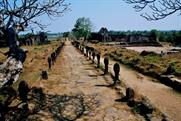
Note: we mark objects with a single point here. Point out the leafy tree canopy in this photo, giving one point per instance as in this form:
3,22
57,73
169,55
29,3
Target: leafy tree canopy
82,28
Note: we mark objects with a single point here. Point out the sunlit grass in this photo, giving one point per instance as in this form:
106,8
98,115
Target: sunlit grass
153,59
151,62
3,57
35,62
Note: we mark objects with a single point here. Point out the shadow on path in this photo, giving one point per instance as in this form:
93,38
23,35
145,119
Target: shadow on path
41,105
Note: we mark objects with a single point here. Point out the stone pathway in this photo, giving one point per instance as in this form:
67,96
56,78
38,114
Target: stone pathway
163,97
74,75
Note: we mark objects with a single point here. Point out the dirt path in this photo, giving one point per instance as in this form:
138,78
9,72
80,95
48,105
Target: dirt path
163,97
164,49
74,75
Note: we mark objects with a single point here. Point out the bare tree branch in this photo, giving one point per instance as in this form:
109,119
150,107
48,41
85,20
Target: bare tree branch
25,11
160,8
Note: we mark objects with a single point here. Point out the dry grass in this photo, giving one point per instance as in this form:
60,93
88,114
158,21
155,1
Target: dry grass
35,62
148,63
3,57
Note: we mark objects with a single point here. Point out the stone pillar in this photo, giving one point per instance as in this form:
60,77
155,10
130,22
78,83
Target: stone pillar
98,60
130,94
89,54
23,90
49,62
106,63
44,75
116,69
84,50
93,55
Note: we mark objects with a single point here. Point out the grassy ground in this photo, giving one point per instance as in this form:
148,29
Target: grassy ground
35,62
149,63
2,57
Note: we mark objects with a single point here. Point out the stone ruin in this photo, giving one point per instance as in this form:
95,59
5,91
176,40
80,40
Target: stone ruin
53,56
116,69
44,75
49,62
142,107
106,63
98,60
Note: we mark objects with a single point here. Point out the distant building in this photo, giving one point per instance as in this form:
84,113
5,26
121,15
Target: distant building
104,35
140,38
119,38
133,38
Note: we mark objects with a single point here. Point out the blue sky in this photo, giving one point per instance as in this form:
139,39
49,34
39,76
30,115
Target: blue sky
112,14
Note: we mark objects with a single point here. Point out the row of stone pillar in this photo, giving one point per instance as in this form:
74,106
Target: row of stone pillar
144,106
91,53
24,89
44,75
51,60
53,56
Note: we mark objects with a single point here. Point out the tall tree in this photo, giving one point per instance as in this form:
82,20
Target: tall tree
159,8
82,28
155,34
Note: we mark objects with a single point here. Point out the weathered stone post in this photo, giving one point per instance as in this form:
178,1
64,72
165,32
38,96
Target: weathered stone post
53,58
116,69
106,63
84,51
87,51
44,75
80,47
130,94
23,90
170,69
49,62
93,55
89,54
98,60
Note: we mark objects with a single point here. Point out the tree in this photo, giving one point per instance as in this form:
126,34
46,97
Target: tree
178,38
82,28
155,34
22,12
18,14
160,8
66,34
